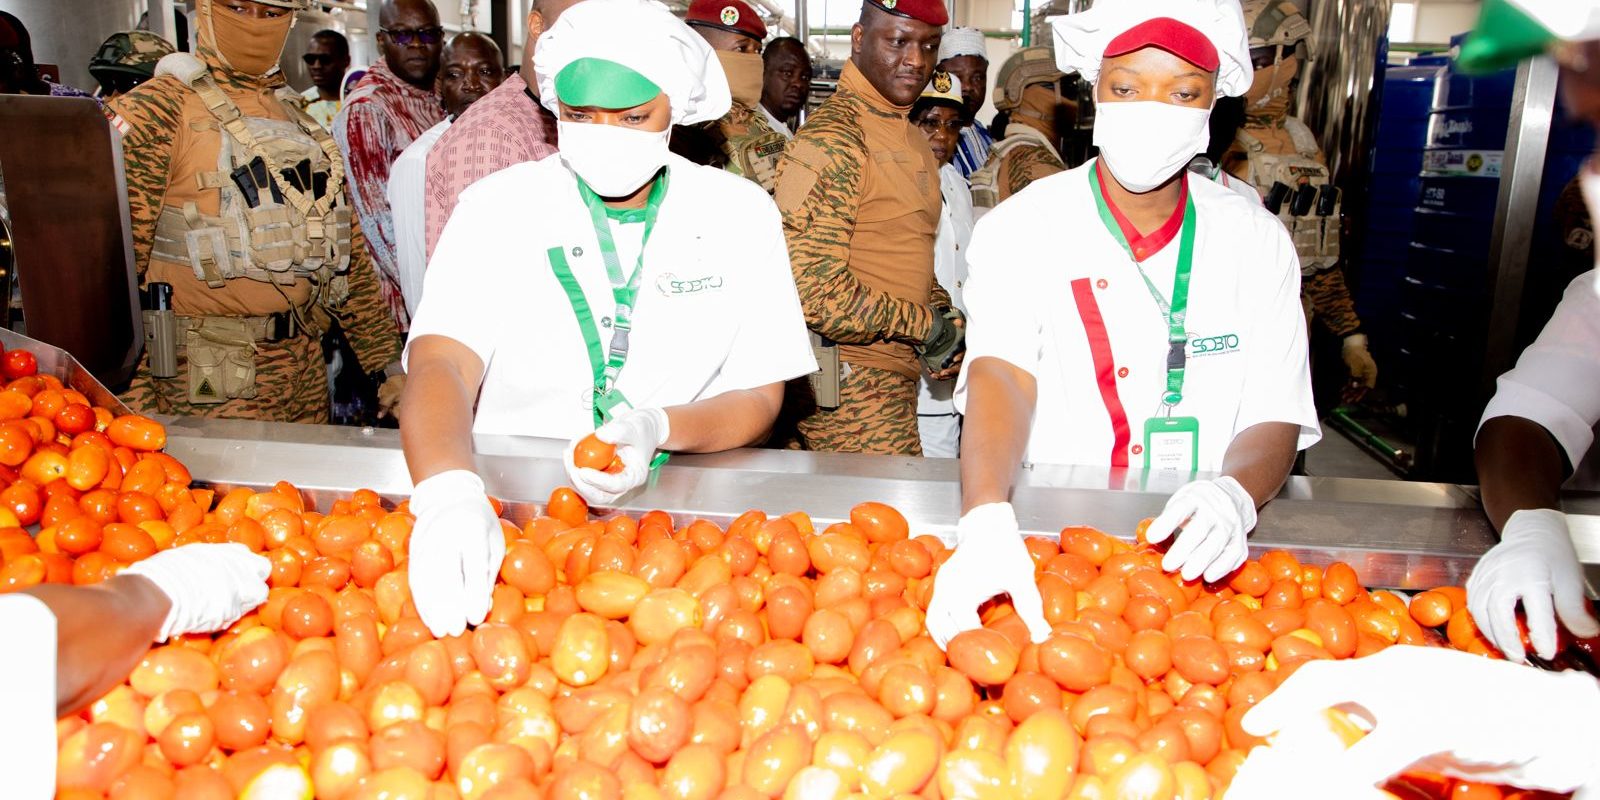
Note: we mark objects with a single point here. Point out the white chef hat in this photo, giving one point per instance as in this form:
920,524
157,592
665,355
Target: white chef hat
642,36
1082,39
963,42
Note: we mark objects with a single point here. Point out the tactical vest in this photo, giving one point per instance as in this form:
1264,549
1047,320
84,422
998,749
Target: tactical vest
1315,231
985,180
282,215
753,147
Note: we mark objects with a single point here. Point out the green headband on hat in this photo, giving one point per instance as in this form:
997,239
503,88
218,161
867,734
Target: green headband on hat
598,83
1503,36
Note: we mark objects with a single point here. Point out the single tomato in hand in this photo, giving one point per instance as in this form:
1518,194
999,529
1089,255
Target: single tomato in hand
592,453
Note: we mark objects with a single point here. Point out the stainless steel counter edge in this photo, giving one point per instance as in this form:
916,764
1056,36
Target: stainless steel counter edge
1398,534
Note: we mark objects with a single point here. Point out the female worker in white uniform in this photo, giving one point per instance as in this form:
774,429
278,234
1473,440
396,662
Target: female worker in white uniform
1445,711
616,287
1130,314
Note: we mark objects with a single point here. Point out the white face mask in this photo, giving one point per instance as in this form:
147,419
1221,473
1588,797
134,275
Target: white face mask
1589,184
613,160
1145,142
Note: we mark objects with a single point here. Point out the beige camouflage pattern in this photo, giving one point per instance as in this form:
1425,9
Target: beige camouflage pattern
169,138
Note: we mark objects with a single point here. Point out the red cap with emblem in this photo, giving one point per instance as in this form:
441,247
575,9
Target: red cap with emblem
732,16
1177,38
930,11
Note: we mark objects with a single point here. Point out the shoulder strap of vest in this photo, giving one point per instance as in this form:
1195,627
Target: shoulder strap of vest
1305,142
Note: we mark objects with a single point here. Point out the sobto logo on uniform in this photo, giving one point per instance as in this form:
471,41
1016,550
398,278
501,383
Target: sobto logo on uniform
670,285
1223,344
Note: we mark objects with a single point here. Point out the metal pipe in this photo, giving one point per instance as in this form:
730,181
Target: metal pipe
1027,23
163,21
802,22
1521,173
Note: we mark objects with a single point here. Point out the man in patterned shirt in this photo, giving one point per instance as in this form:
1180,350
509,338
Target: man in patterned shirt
507,126
383,115
250,311
859,192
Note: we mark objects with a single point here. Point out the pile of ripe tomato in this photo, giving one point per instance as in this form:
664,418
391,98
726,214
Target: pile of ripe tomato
637,657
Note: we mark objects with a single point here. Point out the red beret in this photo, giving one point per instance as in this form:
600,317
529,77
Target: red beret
930,11
732,16
1175,37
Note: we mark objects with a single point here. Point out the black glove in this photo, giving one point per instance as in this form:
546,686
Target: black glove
945,341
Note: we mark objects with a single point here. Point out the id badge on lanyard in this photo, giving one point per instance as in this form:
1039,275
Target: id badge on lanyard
606,367
1170,442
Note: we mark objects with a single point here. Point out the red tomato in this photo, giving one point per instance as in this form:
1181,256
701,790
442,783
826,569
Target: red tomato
19,364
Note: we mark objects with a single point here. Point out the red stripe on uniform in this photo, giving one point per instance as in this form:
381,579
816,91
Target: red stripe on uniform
1105,369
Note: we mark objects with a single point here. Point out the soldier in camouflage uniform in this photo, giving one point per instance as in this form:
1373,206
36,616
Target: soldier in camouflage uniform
1273,147
859,192
126,60
238,202
746,144
1029,87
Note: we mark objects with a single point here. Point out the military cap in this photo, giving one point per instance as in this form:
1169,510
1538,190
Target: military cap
733,16
931,12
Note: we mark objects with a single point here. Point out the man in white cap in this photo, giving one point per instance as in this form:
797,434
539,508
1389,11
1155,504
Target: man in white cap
616,287
1519,726
1170,339
963,54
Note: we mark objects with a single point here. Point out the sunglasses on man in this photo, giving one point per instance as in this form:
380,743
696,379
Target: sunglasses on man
423,36
318,59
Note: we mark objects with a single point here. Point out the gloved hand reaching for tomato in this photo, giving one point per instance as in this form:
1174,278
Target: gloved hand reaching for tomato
455,552
636,436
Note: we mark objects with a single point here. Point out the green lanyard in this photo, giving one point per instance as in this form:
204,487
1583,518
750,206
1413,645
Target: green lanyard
1178,310
624,289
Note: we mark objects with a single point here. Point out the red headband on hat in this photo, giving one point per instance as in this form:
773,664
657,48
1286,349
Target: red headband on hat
1177,38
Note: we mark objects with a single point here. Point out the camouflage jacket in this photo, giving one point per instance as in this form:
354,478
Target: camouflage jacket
168,140
859,192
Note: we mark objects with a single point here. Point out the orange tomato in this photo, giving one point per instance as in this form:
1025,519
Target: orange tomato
591,453
567,506
983,655
137,433
879,522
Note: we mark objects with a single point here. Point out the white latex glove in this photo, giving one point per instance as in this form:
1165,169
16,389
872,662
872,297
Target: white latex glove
1535,564
455,553
637,435
210,585
989,560
1450,712
1214,516
1358,359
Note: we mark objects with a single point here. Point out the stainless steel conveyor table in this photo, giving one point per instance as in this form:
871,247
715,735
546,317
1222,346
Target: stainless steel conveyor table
1396,534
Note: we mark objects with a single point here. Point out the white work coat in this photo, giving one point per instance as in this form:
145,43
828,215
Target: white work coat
408,178
717,309
1556,382
950,270
1051,291
28,695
